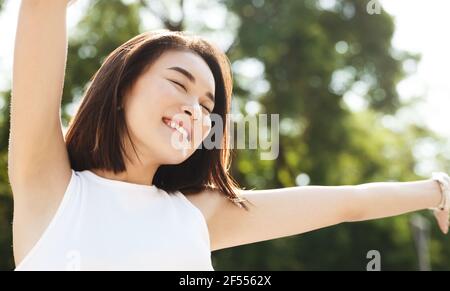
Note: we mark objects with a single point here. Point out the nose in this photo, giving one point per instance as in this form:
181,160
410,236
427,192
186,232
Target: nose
193,110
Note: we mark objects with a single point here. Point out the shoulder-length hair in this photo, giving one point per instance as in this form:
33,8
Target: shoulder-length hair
95,137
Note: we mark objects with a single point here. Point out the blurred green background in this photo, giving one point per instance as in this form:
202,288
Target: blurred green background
298,59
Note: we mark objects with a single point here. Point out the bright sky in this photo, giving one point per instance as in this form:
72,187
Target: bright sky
8,24
421,26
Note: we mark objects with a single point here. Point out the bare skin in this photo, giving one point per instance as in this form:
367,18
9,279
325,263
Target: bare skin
39,168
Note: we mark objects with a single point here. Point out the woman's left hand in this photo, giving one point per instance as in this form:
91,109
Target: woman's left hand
442,217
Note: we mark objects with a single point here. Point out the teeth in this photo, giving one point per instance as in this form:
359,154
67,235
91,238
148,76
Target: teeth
183,132
179,128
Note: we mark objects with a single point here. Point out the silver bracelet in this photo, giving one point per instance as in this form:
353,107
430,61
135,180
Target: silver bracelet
444,182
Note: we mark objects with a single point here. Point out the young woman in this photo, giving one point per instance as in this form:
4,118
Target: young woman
117,193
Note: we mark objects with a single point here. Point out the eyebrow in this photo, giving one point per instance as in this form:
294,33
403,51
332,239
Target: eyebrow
191,78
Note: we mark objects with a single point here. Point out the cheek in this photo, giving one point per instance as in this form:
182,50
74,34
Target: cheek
141,114
206,126
201,129
153,91
149,102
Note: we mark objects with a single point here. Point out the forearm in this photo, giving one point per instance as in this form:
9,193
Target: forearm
385,199
40,56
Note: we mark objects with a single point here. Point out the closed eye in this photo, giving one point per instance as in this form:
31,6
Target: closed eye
184,88
179,84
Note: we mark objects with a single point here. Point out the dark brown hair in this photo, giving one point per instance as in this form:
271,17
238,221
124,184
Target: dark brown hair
95,135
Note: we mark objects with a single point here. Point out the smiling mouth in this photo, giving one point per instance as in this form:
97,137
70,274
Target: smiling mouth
174,126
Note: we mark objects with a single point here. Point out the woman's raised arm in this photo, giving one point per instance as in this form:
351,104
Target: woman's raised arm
36,145
38,163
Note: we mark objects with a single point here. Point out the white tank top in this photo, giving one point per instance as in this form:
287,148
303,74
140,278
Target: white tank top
105,224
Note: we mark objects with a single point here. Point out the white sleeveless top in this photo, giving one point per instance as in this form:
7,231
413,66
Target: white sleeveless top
104,224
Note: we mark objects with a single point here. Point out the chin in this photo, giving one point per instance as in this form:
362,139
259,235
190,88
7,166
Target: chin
175,157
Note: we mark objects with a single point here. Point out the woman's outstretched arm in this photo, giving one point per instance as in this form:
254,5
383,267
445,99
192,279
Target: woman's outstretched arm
284,212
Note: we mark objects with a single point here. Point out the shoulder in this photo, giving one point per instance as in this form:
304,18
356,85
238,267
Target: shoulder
208,202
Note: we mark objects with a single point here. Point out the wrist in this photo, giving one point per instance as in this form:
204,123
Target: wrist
443,181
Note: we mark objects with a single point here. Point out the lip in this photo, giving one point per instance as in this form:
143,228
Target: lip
166,120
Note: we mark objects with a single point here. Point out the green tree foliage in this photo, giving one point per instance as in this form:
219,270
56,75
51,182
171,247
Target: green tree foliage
106,25
311,57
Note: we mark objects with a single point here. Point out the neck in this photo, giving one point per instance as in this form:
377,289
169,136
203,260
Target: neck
136,172
135,175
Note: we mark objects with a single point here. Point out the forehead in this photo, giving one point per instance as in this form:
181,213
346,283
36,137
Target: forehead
189,61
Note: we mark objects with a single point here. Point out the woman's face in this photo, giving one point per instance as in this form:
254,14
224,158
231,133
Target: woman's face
178,88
